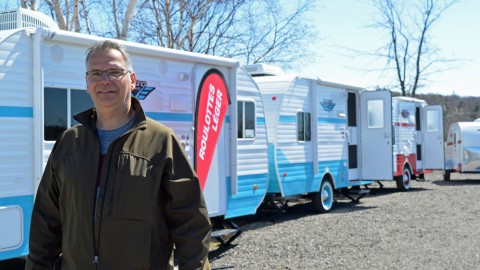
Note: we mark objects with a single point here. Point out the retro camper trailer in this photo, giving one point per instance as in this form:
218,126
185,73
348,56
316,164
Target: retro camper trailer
405,129
313,136
462,150
42,85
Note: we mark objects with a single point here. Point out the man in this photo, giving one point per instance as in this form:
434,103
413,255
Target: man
117,191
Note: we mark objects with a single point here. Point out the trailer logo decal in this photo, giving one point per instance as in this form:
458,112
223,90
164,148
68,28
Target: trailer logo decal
141,90
212,103
405,113
327,105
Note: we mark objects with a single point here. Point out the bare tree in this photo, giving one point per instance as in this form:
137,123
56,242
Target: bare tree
122,14
251,31
29,4
89,16
409,52
66,14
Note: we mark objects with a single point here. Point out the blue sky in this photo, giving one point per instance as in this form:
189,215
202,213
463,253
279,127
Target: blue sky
342,24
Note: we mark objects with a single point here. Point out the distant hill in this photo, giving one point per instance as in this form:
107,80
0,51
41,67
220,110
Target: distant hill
455,108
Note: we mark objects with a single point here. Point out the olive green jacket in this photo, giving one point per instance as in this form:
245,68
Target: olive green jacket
149,200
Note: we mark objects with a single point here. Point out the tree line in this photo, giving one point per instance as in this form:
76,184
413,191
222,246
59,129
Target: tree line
269,31
258,31
455,108
279,32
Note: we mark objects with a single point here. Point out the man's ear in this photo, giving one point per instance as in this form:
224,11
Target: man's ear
86,84
133,78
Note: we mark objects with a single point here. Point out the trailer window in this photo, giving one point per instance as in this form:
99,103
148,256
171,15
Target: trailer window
60,105
375,113
304,130
55,113
246,119
80,101
433,120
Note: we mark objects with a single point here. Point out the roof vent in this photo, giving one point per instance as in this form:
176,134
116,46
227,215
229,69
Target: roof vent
257,70
21,18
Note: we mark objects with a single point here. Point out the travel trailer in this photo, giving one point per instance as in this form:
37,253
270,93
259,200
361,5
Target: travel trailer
42,85
462,150
313,137
325,136
404,128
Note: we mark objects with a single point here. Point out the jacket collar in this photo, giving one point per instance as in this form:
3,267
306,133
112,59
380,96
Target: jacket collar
88,118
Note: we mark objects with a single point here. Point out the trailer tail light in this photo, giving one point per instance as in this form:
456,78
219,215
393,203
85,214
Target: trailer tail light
460,167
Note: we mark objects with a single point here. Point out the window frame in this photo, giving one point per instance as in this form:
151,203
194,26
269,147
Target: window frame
241,105
305,127
69,113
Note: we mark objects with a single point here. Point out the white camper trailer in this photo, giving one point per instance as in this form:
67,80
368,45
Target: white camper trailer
462,151
313,137
406,129
42,85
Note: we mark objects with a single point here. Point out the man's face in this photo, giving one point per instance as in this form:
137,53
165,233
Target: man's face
110,93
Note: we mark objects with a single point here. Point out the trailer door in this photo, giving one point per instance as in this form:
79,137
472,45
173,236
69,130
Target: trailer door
211,145
376,135
432,133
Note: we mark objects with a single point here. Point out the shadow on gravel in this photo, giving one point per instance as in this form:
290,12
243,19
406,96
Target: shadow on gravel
294,211
219,253
453,182
376,192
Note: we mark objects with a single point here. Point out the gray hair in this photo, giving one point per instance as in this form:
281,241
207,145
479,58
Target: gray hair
105,45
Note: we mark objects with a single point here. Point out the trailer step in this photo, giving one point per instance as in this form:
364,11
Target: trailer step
355,194
223,233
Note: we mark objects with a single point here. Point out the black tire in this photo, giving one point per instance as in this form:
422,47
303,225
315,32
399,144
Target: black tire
446,175
404,181
322,201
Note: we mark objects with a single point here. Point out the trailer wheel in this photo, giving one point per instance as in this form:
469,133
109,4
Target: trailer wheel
405,180
446,175
323,200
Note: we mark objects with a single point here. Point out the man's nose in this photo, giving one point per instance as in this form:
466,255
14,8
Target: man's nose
105,75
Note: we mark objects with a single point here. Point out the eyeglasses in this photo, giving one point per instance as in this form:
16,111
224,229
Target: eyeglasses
113,74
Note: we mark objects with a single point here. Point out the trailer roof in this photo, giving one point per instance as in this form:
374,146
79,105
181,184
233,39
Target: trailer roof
137,48
468,126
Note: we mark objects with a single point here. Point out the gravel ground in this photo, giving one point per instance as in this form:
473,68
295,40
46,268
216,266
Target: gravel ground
435,225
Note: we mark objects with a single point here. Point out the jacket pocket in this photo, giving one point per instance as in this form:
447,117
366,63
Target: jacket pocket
124,244
134,192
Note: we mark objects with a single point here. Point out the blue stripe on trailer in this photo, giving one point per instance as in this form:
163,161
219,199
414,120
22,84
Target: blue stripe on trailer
11,111
179,117
287,119
323,120
248,198
273,186
299,177
261,120
26,203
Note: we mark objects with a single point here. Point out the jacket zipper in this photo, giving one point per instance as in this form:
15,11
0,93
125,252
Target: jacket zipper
96,245
94,212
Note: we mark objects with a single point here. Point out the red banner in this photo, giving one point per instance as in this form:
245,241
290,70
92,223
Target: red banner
212,103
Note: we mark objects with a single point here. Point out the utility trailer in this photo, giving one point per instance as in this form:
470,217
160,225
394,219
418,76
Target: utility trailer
42,85
462,150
